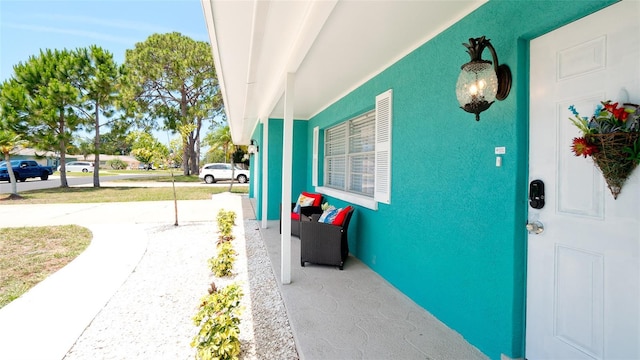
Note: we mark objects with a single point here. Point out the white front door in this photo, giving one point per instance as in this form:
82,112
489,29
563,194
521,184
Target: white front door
583,272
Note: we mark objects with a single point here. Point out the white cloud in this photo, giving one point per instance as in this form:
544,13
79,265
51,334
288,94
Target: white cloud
115,24
82,33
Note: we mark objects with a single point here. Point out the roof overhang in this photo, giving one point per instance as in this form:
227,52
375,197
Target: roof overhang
332,46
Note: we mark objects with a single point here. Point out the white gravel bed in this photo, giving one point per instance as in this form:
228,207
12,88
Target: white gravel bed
150,316
271,330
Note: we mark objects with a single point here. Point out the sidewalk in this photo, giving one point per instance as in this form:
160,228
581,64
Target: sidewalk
45,322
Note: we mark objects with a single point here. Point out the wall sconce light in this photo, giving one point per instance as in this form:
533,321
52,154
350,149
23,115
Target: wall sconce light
253,147
480,83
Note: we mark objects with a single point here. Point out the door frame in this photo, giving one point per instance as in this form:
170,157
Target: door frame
524,50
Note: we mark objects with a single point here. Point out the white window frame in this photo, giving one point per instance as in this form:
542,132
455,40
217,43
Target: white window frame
382,171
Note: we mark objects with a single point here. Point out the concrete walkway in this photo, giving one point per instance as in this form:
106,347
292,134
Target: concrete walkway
356,314
45,322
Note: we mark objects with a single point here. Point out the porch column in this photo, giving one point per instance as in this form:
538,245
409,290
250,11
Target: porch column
265,170
287,156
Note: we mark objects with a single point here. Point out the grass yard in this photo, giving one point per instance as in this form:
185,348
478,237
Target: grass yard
117,194
29,255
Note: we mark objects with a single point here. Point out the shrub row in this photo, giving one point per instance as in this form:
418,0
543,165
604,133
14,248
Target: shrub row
219,320
226,220
222,264
219,313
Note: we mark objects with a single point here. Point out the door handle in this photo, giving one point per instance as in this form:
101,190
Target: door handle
535,227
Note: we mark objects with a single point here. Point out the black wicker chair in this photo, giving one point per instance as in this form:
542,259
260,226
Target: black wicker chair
324,244
306,212
305,215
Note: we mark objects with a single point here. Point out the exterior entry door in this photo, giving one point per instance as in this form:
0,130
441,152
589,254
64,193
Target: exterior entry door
583,273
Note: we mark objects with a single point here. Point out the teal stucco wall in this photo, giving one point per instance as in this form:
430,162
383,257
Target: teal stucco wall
254,165
453,237
299,164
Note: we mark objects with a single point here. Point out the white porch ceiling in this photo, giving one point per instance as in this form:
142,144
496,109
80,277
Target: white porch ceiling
332,46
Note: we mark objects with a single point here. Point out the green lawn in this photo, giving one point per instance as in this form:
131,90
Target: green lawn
28,255
118,194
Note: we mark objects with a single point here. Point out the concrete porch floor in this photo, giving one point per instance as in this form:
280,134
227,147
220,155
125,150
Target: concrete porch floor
355,313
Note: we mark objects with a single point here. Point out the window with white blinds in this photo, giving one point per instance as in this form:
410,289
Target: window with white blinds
350,155
357,157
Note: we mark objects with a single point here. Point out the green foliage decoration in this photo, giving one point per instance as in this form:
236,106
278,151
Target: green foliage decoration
222,264
225,220
224,238
226,217
218,319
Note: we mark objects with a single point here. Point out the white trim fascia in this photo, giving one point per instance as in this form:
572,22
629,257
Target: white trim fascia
314,156
207,9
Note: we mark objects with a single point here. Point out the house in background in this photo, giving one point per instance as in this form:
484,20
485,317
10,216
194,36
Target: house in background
50,158
357,100
46,158
131,161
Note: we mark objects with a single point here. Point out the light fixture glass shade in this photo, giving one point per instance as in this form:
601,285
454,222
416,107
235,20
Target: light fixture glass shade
477,87
252,149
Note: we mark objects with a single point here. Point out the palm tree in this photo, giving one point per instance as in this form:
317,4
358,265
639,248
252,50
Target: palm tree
221,138
9,142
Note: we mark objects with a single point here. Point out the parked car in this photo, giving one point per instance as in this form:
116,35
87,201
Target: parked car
24,169
213,172
84,166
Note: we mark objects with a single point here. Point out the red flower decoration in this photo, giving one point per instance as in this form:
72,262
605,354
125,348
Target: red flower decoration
582,147
619,113
611,107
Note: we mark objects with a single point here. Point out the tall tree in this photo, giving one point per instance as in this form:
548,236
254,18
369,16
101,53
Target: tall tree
99,91
49,83
172,77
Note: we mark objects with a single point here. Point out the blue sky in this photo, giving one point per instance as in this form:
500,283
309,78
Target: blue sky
116,25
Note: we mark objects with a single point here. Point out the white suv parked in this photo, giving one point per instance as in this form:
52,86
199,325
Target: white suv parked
211,173
84,166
